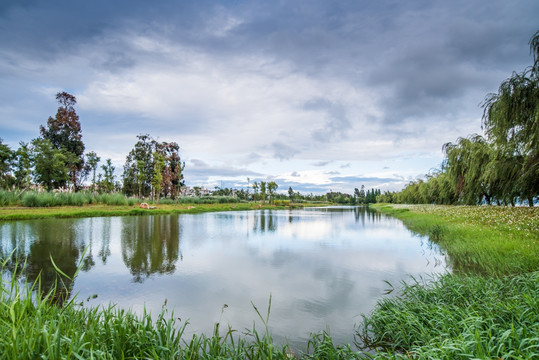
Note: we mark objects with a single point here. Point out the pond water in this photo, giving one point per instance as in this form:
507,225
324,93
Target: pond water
322,267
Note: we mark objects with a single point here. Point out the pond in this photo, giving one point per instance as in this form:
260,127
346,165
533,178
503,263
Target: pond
322,267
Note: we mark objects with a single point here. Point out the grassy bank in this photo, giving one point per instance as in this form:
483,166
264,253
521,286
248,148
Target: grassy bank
23,213
487,309
488,240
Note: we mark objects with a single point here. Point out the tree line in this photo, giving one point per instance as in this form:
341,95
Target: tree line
501,168
56,160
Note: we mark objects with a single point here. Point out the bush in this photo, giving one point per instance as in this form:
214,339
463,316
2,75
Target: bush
9,198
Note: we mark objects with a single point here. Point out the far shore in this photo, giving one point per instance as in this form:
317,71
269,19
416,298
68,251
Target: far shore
98,210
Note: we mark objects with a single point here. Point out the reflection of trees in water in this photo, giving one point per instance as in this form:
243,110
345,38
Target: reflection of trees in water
150,245
362,213
35,244
104,251
12,246
265,221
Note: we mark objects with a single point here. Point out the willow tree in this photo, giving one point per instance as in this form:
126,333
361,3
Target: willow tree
466,163
511,121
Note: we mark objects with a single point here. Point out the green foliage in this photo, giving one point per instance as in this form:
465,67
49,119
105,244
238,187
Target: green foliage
458,317
140,168
281,202
51,165
9,198
49,199
6,157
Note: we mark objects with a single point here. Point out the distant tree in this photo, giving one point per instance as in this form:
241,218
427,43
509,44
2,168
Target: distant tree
64,133
263,189
290,193
6,157
50,165
362,195
107,184
93,160
157,181
139,168
22,166
256,186
272,186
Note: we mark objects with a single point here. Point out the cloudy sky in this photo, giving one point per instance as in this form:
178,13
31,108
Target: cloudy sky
319,95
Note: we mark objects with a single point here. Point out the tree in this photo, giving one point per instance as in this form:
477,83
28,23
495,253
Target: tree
139,168
64,133
362,195
272,186
22,166
6,156
159,165
107,184
511,121
256,186
50,165
263,191
93,160
290,193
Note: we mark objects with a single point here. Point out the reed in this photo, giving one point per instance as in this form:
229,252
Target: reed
458,317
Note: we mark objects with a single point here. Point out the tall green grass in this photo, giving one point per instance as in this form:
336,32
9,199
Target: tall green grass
49,199
458,317
8,198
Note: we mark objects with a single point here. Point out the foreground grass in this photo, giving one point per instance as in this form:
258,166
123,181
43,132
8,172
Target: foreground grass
487,309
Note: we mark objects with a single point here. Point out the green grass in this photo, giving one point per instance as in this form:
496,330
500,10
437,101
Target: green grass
488,240
458,317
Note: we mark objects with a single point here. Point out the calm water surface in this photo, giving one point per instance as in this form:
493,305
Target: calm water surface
322,267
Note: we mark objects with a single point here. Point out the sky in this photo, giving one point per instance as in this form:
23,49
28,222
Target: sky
316,95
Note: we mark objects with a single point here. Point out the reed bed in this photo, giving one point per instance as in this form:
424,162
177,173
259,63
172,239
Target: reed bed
82,198
455,317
